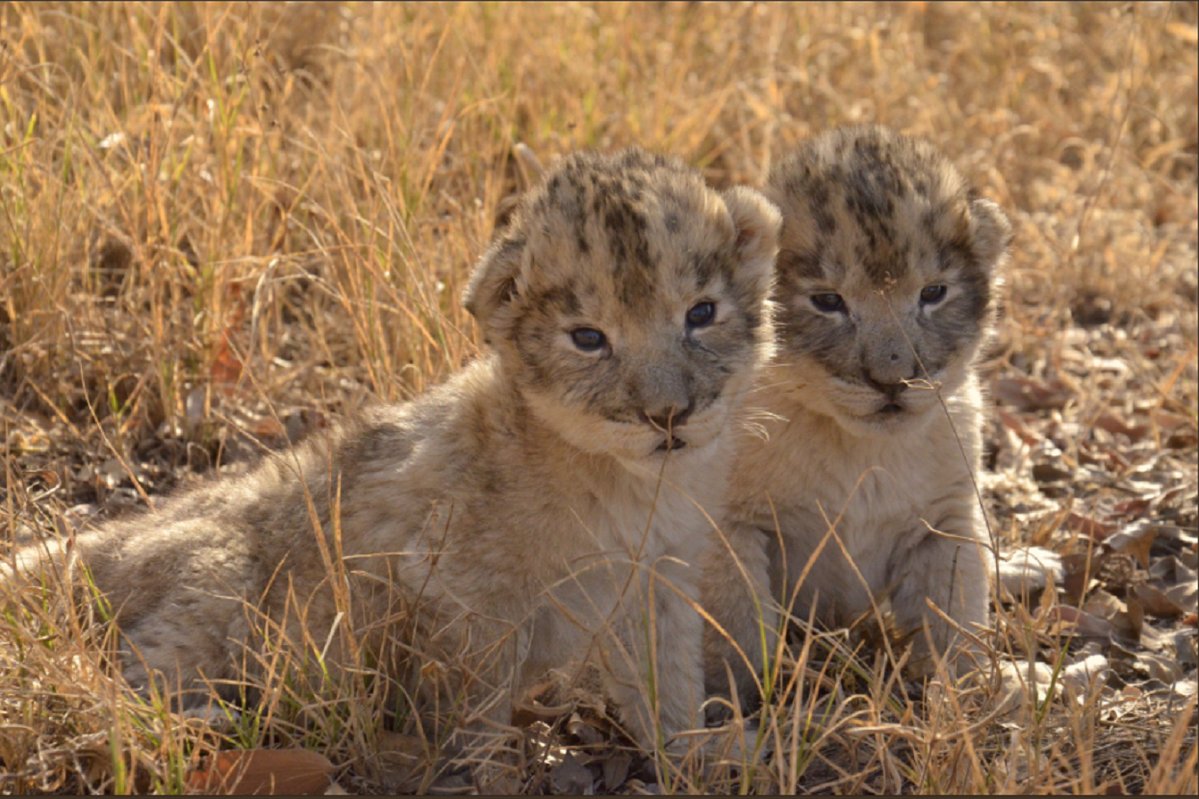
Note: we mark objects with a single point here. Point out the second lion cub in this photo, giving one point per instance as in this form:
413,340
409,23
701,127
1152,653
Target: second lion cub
885,273
550,500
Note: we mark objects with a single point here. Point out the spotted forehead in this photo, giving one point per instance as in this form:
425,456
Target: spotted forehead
870,199
634,227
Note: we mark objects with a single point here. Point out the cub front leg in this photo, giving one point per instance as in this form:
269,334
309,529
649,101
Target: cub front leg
735,591
655,665
949,568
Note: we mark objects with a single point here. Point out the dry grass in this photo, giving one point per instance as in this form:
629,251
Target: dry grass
223,224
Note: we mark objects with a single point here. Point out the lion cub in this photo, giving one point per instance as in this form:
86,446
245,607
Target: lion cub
548,502
884,281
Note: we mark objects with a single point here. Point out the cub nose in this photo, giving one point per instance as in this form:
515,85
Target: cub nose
667,419
891,390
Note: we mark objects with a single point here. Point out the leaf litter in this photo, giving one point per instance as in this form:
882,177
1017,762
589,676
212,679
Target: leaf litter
1095,465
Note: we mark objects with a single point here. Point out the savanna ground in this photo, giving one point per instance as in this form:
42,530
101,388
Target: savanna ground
223,226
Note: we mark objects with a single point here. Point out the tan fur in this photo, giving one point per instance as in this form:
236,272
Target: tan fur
875,506
528,511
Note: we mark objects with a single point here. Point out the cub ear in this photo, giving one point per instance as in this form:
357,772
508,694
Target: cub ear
990,232
495,285
758,222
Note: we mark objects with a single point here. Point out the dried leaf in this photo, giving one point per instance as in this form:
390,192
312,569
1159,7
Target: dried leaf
1083,673
1028,394
1157,667
1167,421
1185,594
1136,540
21,442
1155,602
1019,679
571,777
404,757
1183,439
616,770
1132,507
1028,570
263,772
1184,573
1078,575
1124,620
1131,693
226,367
43,483
1083,623
1186,648
268,427
540,702
1021,430
1135,618
587,734
1096,529
1185,688
1114,424
1050,473
1102,604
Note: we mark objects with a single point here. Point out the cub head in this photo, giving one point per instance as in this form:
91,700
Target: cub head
885,272
628,302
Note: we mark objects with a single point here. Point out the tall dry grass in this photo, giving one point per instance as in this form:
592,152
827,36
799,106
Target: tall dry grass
222,224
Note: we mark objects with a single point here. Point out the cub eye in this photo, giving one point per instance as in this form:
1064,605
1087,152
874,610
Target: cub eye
701,314
828,302
588,339
931,295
